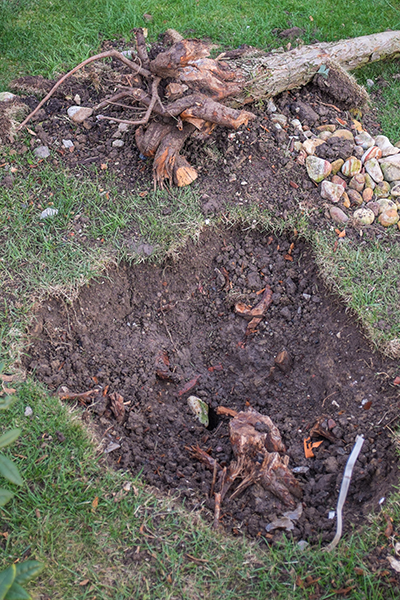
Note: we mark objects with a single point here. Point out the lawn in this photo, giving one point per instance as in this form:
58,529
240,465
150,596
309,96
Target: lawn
103,534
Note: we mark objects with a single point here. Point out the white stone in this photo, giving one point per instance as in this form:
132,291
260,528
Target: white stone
41,152
79,113
49,212
279,118
28,412
7,96
331,191
372,167
118,143
365,140
385,145
68,143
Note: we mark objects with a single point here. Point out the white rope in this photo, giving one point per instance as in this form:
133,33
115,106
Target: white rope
344,488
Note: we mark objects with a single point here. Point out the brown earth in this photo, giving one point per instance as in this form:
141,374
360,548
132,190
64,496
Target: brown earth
114,334
111,338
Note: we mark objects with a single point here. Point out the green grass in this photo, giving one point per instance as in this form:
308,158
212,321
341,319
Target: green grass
99,540
48,36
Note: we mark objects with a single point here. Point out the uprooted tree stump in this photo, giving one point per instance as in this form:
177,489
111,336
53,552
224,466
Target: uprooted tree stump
259,459
185,93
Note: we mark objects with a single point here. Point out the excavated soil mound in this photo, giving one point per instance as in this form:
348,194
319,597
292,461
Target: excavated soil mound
112,338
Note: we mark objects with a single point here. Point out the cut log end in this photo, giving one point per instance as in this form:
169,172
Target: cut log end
184,174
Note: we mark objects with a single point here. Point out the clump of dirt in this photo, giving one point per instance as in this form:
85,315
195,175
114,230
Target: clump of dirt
113,336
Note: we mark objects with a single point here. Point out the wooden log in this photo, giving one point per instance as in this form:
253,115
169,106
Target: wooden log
270,74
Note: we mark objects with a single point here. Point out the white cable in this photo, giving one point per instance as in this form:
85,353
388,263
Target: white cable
344,488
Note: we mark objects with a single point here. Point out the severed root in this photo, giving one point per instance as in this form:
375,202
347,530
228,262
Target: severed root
168,165
217,510
148,140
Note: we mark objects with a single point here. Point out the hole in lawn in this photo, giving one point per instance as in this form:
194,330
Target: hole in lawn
151,336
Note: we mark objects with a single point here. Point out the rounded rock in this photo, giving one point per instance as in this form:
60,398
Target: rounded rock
310,145
355,197
324,135
7,96
369,182
364,216
374,170
338,215
339,181
351,167
42,152
346,200
345,134
386,146
385,204
329,127
373,152
395,191
374,206
317,168
337,165
390,171
364,140
279,118
331,191
382,189
78,114
389,217
357,182
367,194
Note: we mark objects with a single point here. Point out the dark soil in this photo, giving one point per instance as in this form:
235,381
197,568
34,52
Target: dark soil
113,335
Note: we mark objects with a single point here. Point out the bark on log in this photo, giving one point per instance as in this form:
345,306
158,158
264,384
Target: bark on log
270,74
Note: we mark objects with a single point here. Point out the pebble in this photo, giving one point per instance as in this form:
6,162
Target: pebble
344,134
42,152
317,168
78,114
296,124
358,152
364,140
310,145
324,135
49,212
372,167
339,181
123,127
279,118
68,143
329,127
394,159
271,108
385,204
390,171
385,145
28,412
357,182
369,182
351,167
355,197
364,216
367,194
382,189
118,143
395,191
7,96
346,200
373,152
389,217
337,165
374,206
331,191
338,215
